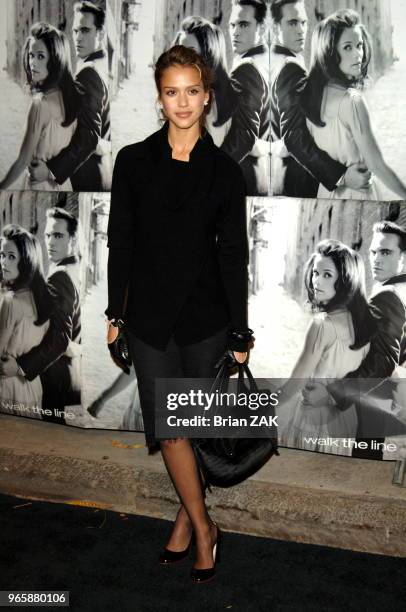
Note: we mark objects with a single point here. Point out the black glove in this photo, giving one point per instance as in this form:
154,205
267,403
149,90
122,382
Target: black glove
119,350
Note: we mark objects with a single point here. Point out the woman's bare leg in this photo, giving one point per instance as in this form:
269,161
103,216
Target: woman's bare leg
181,465
181,532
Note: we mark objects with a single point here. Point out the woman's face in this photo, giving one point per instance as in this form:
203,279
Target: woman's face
38,58
324,277
190,40
182,95
350,48
9,258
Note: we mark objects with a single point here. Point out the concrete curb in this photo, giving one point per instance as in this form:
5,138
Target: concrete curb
299,496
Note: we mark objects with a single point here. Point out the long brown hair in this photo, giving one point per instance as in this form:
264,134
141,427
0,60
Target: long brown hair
349,286
30,270
59,67
325,60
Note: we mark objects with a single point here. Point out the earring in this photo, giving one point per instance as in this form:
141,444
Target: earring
206,103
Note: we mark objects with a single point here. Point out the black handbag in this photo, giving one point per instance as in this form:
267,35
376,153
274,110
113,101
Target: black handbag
225,462
119,349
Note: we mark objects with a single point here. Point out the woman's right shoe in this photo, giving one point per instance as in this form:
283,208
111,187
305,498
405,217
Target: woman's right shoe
167,557
199,576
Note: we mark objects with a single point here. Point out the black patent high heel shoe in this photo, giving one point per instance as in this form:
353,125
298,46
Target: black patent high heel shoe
167,557
200,576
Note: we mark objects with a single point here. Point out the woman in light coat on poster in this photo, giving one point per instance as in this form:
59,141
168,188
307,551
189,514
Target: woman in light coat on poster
51,119
25,309
335,106
336,342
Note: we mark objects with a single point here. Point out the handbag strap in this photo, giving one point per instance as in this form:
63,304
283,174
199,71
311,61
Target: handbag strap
222,377
244,369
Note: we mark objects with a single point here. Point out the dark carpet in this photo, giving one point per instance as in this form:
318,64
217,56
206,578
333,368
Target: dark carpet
108,562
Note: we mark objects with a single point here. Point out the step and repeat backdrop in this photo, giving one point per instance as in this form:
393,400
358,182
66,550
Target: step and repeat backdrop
77,85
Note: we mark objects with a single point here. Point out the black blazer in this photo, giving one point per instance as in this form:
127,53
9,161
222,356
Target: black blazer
182,260
250,121
78,161
387,349
308,165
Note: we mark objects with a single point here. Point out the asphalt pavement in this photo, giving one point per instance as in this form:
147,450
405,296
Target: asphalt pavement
108,561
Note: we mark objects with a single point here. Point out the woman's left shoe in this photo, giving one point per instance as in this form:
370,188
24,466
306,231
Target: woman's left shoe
168,557
199,576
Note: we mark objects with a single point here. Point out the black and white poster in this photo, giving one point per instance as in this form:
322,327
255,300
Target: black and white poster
53,268
338,80
43,279
55,100
332,306
55,176
234,40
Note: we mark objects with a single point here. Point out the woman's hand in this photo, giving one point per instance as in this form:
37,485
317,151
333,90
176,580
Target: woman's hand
112,332
38,171
117,344
103,147
316,395
242,357
8,366
74,350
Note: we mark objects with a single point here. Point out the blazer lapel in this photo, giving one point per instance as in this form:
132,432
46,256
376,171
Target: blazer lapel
198,183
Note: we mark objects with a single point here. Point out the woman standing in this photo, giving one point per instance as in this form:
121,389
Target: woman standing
51,119
178,257
338,117
24,315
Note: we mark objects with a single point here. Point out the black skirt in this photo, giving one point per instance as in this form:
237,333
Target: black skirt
191,361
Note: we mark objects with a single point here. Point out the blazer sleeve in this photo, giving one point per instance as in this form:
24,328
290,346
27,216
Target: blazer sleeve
232,253
89,126
388,312
245,122
294,130
56,339
120,234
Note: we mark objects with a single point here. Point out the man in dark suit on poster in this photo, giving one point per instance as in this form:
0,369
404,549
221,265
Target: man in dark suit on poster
248,139
57,358
298,165
86,161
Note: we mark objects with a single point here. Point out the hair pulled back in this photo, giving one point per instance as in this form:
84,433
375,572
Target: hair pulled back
179,55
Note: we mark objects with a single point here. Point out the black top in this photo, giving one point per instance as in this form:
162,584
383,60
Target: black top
183,176
178,242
